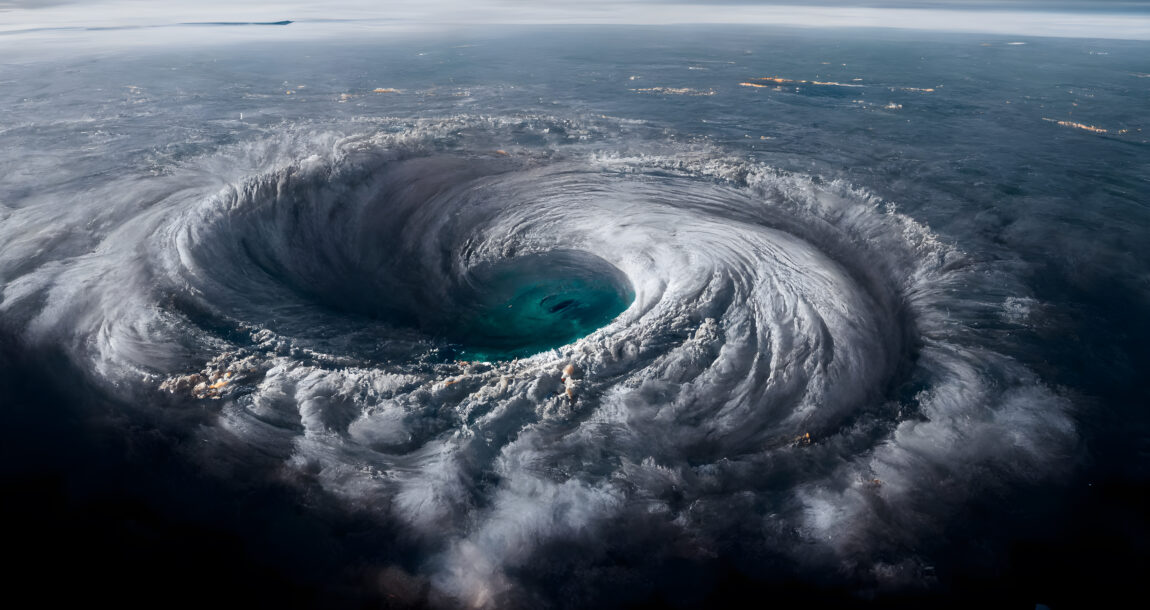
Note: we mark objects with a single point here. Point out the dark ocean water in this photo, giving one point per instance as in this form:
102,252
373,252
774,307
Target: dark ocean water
882,337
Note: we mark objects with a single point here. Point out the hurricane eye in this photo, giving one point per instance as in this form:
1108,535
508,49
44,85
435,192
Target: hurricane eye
530,304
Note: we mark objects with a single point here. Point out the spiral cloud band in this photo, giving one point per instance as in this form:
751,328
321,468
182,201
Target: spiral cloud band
535,350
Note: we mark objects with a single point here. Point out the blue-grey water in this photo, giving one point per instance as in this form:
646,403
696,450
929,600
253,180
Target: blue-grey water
577,317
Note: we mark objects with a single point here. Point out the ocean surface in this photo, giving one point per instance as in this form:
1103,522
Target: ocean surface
574,317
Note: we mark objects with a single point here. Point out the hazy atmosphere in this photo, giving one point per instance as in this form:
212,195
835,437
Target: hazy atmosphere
1125,20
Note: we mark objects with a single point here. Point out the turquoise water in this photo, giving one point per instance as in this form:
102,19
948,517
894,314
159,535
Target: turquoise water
537,303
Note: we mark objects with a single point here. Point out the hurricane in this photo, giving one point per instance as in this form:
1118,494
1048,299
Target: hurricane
624,305
503,348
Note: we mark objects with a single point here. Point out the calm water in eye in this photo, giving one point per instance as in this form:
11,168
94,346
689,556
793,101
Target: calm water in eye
533,303
527,315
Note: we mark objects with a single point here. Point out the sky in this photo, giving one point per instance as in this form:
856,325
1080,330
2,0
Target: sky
1115,19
